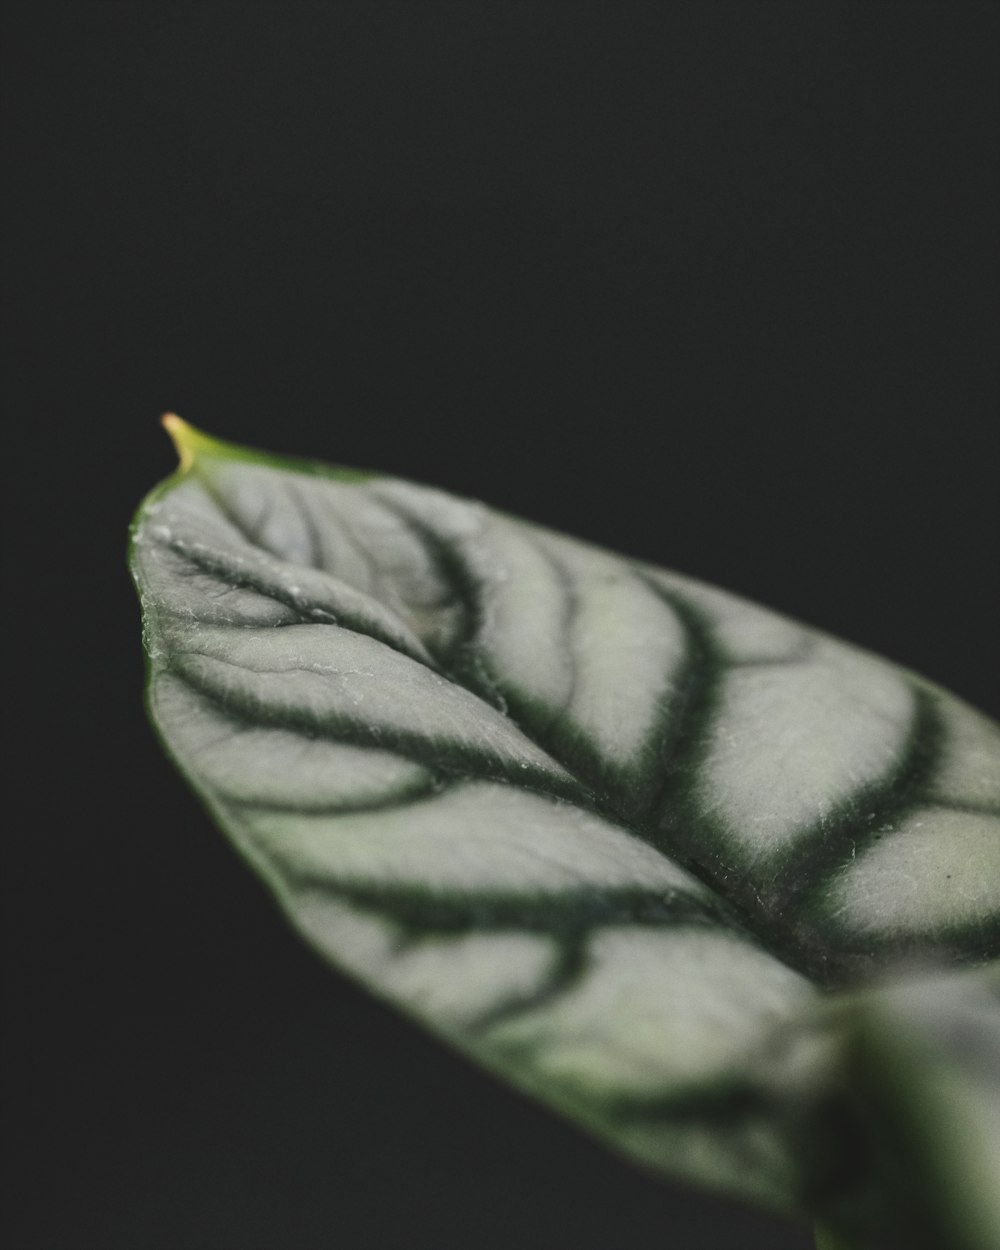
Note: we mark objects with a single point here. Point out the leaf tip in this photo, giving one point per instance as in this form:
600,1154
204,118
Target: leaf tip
186,439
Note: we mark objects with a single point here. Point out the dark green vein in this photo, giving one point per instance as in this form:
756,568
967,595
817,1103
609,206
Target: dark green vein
968,943
719,1102
564,914
867,815
683,735
570,618
459,659
623,793
776,913
308,612
659,800
567,971
553,727
676,825
394,800
864,815
622,799
450,756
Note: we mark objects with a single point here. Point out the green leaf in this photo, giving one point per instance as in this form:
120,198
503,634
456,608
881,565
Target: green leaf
624,838
926,1060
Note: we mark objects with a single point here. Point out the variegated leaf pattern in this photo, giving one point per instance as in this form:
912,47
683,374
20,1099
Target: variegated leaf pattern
613,832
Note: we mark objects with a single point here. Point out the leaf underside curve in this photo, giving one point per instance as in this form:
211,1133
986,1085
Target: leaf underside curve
621,836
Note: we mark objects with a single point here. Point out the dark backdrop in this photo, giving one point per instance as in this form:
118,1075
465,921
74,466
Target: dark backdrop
707,283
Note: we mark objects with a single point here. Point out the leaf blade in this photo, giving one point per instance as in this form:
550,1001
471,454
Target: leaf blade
606,829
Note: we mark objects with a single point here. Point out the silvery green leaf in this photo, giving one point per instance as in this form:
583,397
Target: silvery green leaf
614,833
926,1057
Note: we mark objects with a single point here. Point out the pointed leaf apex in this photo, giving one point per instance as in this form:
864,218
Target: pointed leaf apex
188,441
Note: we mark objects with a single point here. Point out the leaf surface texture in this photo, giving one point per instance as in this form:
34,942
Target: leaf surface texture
619,835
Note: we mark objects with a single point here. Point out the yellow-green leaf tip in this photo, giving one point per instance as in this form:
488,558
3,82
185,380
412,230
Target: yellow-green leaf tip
188,441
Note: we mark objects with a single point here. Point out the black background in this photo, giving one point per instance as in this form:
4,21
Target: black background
707,283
